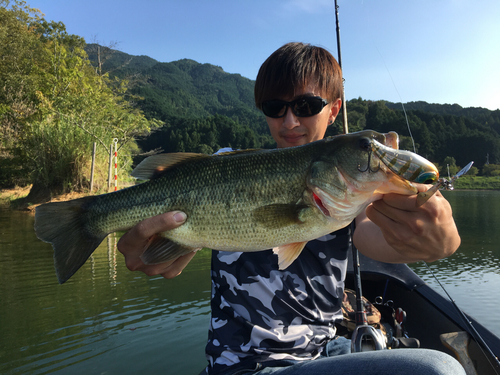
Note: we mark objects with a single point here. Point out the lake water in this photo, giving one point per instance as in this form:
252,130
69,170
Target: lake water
108,320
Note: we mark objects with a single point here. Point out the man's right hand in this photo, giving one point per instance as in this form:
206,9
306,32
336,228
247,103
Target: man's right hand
133,243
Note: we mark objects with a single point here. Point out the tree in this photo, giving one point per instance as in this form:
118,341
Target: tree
74,108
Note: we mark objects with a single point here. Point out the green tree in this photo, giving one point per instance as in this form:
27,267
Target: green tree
473,171
491,170
73,107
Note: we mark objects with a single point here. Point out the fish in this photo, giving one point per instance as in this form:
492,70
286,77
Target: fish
248,200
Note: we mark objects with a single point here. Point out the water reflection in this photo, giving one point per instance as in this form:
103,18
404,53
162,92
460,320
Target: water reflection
112,241
105,319
108,320
471,275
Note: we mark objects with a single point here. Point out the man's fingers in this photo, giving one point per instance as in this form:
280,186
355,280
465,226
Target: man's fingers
135,240
157,224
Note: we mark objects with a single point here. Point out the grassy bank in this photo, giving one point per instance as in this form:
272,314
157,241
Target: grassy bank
14,198
8,196
478,183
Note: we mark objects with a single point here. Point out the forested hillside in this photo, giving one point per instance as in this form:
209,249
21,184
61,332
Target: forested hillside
200,103
58,95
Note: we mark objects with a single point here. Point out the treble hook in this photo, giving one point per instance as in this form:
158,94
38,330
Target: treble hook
368,166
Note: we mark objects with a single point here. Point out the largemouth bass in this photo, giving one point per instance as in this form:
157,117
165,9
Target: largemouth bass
240,201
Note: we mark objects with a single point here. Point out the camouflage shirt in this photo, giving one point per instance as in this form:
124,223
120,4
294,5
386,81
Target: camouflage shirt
260,313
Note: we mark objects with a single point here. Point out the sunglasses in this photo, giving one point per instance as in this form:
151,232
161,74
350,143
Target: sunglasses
303,107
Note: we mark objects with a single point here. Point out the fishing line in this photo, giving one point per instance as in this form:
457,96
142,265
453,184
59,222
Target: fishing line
400,99
477,336
374,43
471,329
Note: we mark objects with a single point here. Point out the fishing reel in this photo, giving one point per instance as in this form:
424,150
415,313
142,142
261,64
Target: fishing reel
393,321
366,338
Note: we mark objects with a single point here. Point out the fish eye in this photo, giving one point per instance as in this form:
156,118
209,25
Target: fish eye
365,143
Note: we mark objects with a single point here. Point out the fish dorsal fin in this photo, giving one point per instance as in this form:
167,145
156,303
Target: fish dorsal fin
154,166
288,253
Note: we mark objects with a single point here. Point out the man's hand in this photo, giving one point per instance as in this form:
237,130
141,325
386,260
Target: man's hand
135,241
395,230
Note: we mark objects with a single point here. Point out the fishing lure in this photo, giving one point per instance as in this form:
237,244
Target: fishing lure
408,166
442,184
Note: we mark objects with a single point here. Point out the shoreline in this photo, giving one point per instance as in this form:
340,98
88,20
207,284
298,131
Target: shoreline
8,198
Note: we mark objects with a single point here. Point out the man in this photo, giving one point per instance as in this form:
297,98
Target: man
282,322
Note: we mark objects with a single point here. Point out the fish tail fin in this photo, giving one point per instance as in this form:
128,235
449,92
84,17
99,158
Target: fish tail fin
63,226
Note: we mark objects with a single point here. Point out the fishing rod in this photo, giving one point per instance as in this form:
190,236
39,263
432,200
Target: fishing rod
363,330
339,53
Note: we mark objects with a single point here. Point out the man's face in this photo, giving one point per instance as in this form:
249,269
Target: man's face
290,130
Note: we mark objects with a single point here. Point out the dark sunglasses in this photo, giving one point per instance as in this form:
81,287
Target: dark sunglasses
303,107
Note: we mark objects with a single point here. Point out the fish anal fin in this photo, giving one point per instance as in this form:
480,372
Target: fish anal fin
277,216
156,165
288,253
161,250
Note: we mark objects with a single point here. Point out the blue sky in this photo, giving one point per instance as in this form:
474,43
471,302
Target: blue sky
439,51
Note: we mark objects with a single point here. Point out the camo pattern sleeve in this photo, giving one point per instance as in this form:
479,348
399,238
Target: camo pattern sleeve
260,313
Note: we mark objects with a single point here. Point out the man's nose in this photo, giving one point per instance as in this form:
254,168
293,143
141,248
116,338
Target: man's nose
290,121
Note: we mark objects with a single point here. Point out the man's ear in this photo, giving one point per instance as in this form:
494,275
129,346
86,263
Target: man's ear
334,110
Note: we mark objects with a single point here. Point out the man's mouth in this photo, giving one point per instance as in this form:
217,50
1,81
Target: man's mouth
293,138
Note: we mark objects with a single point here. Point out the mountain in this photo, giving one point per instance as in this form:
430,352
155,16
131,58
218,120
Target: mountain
183,88
186,88
116,62
205,108
481,115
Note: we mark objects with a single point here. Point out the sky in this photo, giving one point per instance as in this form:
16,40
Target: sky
438,51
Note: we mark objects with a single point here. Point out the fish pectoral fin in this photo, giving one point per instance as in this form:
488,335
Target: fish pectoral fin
161,250
276,216
156,165
288,253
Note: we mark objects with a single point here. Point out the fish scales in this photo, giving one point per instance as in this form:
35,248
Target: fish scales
221,194
242,201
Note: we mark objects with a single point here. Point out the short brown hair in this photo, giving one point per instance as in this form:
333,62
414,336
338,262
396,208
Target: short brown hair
293,67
